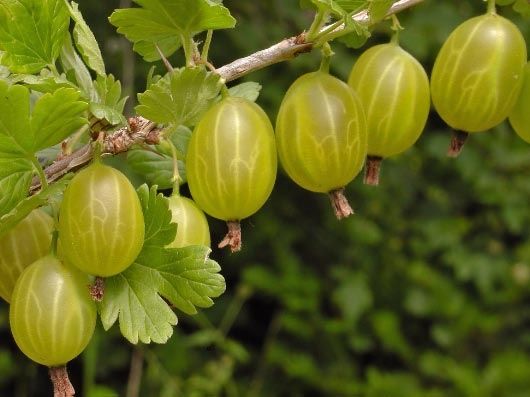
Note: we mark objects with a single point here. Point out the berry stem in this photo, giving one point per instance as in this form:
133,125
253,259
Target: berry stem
340,204
233,237
97,290
372,170
457,142
61,383
491,7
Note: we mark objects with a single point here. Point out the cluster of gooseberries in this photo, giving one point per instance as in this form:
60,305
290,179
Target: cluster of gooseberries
326,130
52,271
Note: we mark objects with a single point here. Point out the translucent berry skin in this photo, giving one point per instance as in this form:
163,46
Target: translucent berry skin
193,227
51,315
394,90
520,115
101,224
321,133
28,241
477,74
231,161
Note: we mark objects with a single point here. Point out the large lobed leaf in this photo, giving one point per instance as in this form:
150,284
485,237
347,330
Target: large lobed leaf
181,97
32,33
54,117
185,277
167,23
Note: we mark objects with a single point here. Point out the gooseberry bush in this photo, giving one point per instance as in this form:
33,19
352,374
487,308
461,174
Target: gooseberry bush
77,241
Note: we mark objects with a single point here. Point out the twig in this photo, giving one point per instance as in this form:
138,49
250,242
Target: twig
139,130
135,373
291,47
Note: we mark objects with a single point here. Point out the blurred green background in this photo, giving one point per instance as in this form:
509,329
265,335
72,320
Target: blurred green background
424,292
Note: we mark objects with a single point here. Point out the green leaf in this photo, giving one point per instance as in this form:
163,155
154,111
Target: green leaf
15,178
45,81
329,6
56,116
85,41
249,90
23,25
378,9
353,5
185,277
107,103
156,162
15,135
181,97
168,23
76,69
24,207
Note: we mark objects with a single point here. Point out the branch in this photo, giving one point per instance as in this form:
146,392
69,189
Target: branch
141,130
291,47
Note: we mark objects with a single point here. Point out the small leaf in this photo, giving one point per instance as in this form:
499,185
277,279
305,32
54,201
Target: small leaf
107,102
186,277
75,67
45,82
167,23
24,207
378,9
181,97
32,33
85,41
155,163
15,179
249,90
352,5
56,116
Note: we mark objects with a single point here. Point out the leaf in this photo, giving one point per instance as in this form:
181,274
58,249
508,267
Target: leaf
56,116
181,97
23,25
44,82
186,277
156,162
378,9
107,102
353,5
249,90
15,179
76,68
168,23
85,41
24,207
329,6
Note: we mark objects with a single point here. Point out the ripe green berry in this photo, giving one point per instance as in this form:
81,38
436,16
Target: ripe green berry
321,135
51,314
520,115
101,224
28,241
477,75
231,163
394,90
192,224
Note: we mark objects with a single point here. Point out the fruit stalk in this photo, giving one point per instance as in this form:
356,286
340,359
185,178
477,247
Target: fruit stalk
233,237
457,143
61,383
97,290
340,204
372,170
